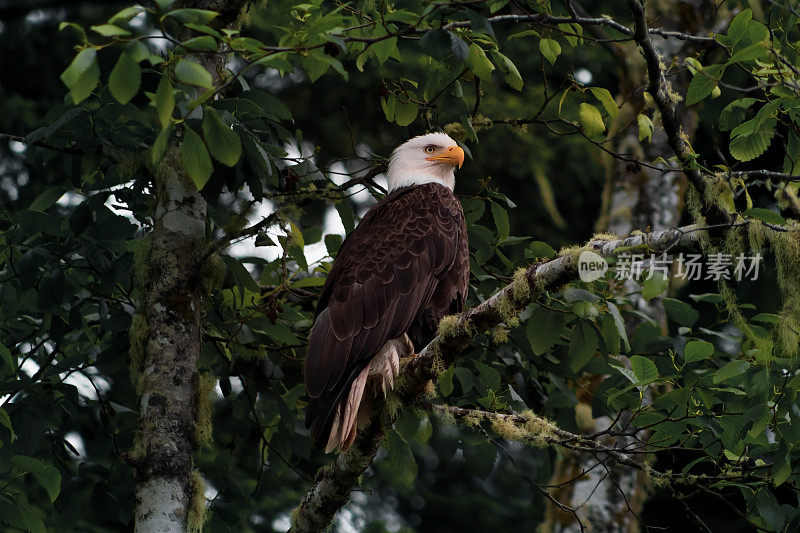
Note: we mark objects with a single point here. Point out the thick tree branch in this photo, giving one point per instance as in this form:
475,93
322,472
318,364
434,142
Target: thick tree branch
336,480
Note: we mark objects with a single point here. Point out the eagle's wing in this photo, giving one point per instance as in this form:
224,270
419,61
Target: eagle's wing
384,275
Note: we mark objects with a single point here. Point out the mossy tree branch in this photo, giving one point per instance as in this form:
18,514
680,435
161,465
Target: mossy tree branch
531,429
335,481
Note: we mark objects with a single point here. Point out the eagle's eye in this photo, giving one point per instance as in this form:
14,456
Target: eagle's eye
429,149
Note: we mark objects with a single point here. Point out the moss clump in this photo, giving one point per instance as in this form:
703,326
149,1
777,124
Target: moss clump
527,428
456,131
213,273
500,335
453,326
141,261
786,247
392,407
659,481
604,237
734,242
719,193
197,506
539,431
481,123
429,390
138,349
438,365
504,427
472,421
507,310
203,401
520,287
756,235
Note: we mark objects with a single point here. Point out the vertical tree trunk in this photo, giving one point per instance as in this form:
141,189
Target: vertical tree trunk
166,336
635,198
171,261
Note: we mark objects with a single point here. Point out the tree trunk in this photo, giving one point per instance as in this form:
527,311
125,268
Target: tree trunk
166,335
171,261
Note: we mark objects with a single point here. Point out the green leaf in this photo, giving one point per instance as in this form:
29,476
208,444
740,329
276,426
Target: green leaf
644,369
550,49
488,375
750,140
192,16
159,147
543,329
244,280
164,101
446,382
703,83
223,143
192,73
203,43
681,312
591,120
85,60
5,420
738,27
126,14
125,79
697,351
400,459
582,345
109,30
767,318
385,48
346,214
5,356
310,281
388,105
733,114
510,72
749,53
791,162
85,84
782,467
478,63
500,216
765,215
604,97
619,323
195,158
645,127
731,370
47,198
405,114
48,476
539,250
654,286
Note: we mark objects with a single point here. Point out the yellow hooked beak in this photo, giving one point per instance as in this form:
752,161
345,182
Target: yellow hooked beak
450,156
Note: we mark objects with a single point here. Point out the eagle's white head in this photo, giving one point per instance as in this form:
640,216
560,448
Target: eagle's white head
430,158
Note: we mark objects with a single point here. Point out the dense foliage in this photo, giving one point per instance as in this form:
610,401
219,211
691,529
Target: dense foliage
697,381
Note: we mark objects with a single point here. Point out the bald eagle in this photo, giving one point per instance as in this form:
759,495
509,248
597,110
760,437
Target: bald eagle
404,267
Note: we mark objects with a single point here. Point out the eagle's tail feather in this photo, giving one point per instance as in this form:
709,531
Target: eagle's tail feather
354,410
343,430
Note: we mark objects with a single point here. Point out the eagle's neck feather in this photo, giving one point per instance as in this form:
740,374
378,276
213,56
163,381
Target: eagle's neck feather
408,180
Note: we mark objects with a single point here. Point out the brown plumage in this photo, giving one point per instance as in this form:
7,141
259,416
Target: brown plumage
397,274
